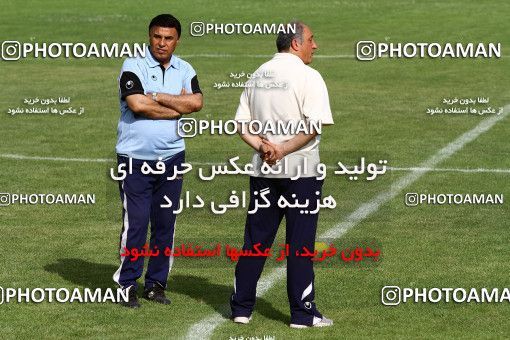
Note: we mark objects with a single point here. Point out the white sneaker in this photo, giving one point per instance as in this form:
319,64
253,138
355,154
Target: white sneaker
242,319
317,322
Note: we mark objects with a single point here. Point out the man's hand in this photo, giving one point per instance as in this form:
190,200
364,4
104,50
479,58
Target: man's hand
274,153
270,152
183,103
150,94
140,104
266,152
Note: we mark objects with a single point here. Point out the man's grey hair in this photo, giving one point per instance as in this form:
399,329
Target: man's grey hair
284,39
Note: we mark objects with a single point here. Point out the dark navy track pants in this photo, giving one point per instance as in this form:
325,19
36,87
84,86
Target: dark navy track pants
261,227
141,197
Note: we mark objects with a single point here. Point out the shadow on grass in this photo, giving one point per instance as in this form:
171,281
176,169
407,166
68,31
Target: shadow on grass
217,296
98,275
83,273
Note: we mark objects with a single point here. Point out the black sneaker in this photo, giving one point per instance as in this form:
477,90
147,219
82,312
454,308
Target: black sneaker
132,301
156,294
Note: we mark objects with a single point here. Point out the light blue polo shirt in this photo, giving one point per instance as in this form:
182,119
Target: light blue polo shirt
143,138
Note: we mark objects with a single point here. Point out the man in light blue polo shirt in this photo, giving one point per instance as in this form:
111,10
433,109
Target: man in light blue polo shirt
155,91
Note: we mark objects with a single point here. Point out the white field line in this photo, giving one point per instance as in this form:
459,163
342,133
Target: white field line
56,159
268,56
205,327
107,160
478,170
265,56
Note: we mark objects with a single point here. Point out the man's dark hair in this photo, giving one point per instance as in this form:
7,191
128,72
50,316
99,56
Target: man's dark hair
166,20
284,39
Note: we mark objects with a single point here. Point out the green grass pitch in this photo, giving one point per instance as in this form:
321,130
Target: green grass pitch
379,109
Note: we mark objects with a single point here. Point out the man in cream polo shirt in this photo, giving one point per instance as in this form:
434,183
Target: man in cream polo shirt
284,89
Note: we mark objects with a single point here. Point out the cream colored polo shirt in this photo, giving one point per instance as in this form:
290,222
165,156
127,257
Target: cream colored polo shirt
286,92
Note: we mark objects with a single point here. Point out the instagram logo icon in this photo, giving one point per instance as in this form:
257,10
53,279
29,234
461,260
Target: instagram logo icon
11,50
391,295
365,50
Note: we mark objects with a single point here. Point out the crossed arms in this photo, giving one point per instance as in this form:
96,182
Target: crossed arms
166,106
